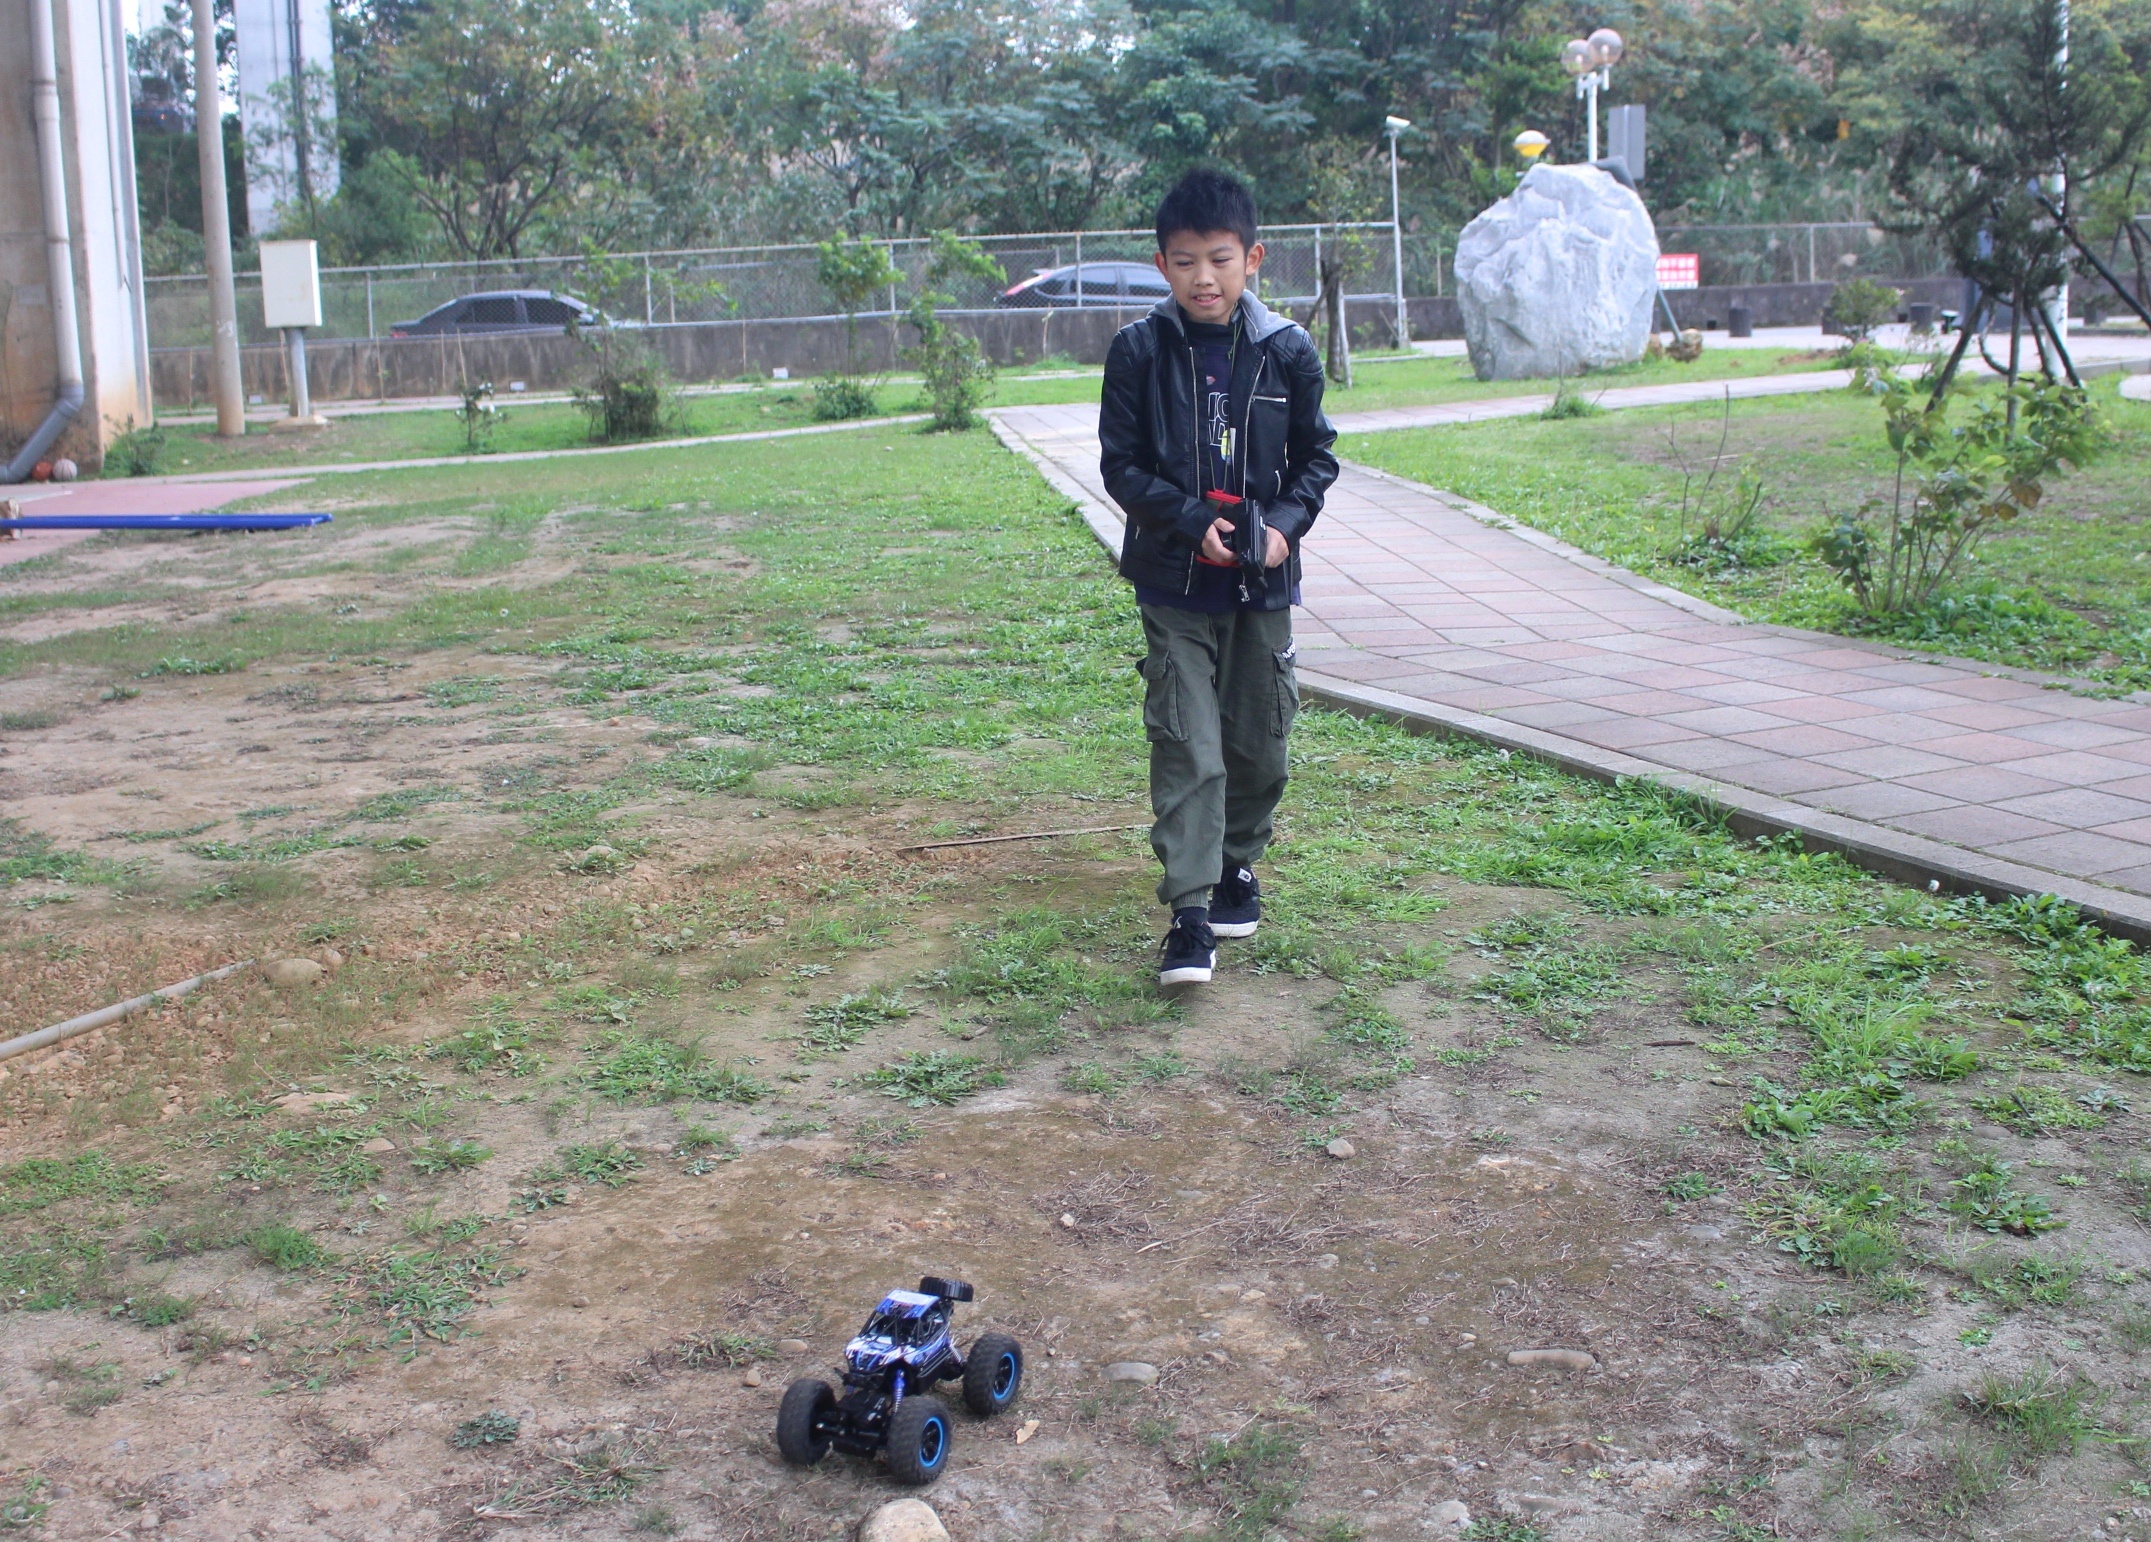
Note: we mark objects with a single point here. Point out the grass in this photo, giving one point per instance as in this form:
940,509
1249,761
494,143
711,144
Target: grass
2064,590
286,1248
491,1428
920,630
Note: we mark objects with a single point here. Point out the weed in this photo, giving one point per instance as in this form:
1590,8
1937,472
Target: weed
1501,1528
158,1310
1986,1197
657,1520
433,1157
2034,1110
1254,1478
631,1068
423,1294
840,1024
930,1076
498,1040
607,1162
1561,987
2028,1281
45,1181
1883,1364
1689,1187
729,1349
488,1429
86,1385
1831,1209
1092,1077
2040,1411
23,1508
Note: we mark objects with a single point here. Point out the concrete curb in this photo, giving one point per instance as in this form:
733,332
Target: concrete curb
1893,854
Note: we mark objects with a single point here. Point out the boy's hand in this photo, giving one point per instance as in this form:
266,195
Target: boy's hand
1279,549
1214,547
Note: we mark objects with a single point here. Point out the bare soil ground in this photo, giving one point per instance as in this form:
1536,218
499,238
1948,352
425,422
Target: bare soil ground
611,1114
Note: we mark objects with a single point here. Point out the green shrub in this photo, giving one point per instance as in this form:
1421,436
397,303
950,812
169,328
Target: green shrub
135,452
1858,306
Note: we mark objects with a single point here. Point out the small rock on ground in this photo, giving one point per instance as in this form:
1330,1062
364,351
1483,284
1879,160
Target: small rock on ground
903,1520
294,973
1343,1150
1140,1372
1452,1517
1557,1359
791,1346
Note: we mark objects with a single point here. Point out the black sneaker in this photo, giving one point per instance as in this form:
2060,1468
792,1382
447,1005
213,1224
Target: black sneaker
1190,951
1236,904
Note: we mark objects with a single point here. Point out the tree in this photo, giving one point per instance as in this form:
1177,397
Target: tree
505,112
1987,134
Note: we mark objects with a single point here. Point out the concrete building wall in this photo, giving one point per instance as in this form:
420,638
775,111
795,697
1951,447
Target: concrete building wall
98,154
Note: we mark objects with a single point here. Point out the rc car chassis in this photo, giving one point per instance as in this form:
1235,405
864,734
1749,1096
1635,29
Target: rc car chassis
890,1368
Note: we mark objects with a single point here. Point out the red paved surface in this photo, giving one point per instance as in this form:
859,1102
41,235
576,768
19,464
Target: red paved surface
1422,594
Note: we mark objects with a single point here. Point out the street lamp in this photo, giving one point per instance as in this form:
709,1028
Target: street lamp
1531,144
1591,61
1394,126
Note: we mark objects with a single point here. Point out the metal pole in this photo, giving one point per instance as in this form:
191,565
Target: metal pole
1079,269
369,305
225,381
1396,246
1811,278
648,313
302,405
1590,112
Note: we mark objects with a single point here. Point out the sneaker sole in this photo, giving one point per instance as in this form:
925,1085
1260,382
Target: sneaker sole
1234,928
1190,974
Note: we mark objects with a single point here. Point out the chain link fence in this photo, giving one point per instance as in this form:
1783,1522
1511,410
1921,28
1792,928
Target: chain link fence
758,283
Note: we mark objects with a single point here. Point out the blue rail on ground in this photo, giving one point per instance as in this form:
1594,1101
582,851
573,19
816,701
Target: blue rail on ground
163,521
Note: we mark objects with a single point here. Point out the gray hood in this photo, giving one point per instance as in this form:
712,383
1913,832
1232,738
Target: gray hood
1262,323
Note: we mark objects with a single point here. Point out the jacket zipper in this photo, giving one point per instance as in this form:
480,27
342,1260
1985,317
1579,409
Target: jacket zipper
1194,452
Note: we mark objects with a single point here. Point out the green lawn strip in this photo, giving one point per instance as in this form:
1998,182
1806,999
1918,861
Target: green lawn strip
2064,590
1429,381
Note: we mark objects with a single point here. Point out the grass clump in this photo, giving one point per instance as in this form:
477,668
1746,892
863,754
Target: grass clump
491,1428
2039,1412
23,1508
607,1163
1253,1479
453,1155
425,1293
497,1041
930,1076
632,1068
42,1182
86,1385
1987,1196
840,1024
1832,1209
2034,1110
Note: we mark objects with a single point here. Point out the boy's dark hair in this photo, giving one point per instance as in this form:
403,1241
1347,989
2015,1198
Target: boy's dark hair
1203,201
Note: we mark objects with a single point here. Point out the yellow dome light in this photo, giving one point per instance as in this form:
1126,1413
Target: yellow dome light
1531,144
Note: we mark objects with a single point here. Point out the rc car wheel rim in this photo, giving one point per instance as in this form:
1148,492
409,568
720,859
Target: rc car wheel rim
931,1443
1004,1376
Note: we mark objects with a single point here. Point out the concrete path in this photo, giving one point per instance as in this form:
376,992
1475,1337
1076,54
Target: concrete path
1431,608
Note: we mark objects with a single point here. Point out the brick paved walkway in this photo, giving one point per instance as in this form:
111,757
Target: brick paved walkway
1420,602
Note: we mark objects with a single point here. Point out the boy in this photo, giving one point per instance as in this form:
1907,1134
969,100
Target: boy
1214,446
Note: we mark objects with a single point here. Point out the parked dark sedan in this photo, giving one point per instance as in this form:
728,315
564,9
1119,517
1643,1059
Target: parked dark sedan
501,310
1101,283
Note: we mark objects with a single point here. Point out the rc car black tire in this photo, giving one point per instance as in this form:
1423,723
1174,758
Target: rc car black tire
947,1290
919,1440
805,1402
992,1374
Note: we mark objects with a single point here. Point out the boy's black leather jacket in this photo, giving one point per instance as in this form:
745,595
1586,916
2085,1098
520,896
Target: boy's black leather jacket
1149,436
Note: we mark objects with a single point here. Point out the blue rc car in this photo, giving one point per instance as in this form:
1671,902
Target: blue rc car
889,1372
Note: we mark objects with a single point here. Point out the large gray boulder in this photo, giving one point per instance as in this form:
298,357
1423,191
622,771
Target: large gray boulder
1559,276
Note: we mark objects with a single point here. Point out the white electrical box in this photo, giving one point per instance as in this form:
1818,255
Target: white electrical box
290,284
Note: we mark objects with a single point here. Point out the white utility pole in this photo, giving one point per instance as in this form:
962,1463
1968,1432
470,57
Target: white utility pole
224,378
1396,126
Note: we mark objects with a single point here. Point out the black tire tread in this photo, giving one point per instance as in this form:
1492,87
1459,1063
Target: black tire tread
905,1427
797,1442
978,1368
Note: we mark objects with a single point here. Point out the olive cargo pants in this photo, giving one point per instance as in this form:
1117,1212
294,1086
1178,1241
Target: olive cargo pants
1218,703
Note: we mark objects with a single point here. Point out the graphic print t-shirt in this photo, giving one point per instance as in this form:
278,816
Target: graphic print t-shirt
1216,590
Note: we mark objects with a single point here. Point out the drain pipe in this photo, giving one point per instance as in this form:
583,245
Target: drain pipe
59,250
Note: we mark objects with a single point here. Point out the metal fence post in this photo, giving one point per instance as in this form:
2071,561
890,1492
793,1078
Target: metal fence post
1079,269
1811,278
369,305
649,314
